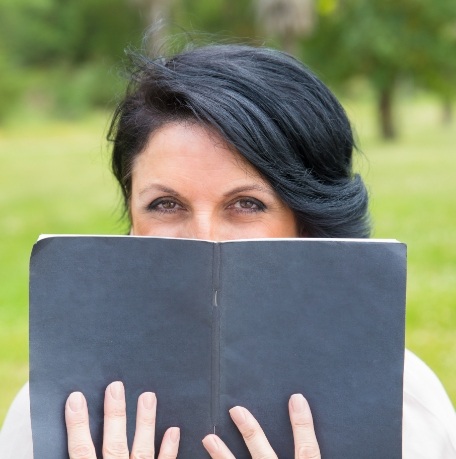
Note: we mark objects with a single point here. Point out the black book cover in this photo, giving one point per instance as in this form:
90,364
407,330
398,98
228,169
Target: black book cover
208,326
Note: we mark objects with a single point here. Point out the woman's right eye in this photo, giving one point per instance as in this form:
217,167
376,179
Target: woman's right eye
164,205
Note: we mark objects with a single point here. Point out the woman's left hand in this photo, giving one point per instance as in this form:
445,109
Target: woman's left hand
305,442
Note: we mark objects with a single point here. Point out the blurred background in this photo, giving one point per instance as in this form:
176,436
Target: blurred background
391,62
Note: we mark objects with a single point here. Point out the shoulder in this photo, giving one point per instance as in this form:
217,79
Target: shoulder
429,420
16,432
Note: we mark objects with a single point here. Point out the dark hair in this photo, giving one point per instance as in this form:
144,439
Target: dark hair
271,109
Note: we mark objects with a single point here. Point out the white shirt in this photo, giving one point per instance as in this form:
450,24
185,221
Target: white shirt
429,419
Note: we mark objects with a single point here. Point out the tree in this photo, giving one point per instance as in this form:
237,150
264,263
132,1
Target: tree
386,41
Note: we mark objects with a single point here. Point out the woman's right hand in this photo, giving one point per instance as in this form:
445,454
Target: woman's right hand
305,441
80,445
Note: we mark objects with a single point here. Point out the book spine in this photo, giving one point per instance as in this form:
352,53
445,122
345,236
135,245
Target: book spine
215,396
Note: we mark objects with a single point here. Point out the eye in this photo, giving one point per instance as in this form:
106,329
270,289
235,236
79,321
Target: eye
165,206
248,205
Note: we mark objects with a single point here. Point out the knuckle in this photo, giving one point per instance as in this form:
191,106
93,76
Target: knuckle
116,449
143,454
81,451
77,422
167,456
116,412
308,451
147,421
249,433
303,422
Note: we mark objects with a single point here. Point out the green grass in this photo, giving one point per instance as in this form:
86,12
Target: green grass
413,199
54,179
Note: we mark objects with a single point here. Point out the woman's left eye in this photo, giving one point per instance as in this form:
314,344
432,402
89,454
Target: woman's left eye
248,205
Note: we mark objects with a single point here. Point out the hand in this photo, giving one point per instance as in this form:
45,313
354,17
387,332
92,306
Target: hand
306,446
80,445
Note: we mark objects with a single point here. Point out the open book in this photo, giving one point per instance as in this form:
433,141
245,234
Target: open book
208,326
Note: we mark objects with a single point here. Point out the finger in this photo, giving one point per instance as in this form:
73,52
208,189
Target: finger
115,420
306,445
216,448
170,444
253,434
143,444
80,445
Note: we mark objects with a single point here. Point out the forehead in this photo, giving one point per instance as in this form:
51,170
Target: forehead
189,148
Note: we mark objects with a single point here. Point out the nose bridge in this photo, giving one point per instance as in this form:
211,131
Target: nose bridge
205,225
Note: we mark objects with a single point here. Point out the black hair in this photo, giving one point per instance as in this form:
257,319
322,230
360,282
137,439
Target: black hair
267,105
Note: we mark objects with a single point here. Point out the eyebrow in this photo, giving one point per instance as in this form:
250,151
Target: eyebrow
158,187
242,189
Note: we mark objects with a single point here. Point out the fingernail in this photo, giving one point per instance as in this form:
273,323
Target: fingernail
298,403
148,400
238,415
174,434
117,390
76,401
211,443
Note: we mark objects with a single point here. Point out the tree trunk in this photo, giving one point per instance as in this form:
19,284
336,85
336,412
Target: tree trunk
385,107
288,20
447,112
156,16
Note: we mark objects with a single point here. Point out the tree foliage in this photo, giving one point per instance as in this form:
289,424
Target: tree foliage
74,43
225,18
43,32
382,41
387,41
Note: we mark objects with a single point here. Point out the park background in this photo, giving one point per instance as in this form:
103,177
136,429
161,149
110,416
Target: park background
391,62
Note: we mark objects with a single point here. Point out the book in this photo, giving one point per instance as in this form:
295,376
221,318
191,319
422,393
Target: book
211,325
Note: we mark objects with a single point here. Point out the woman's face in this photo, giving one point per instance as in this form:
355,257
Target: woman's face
187,183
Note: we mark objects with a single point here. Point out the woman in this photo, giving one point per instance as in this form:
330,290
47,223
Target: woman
234,142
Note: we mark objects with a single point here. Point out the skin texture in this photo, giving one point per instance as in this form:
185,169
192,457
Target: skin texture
189,183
